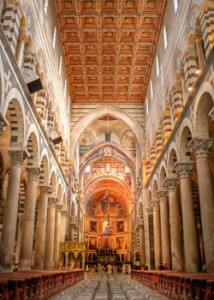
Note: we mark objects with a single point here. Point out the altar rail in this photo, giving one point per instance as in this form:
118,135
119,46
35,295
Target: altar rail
36,285
178,285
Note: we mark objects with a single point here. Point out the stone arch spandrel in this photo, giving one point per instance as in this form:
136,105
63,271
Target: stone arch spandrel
102,111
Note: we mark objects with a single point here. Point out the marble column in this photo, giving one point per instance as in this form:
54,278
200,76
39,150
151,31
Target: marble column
58,224
41,229
20,50
201,148
26,250
64,216
3,124
146,233
142,251
161,195
191,248
11,208
50,226
171,184
157,233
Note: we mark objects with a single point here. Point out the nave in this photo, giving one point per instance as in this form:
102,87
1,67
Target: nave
104,287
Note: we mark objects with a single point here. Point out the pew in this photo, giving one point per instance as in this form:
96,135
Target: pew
178,285
36,285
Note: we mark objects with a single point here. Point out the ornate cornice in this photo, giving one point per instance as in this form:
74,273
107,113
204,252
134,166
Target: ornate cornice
184,169
200,148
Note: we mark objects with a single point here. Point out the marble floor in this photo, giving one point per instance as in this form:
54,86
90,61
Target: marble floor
108,287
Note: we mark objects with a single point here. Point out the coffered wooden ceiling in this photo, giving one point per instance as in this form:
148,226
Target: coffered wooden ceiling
109,47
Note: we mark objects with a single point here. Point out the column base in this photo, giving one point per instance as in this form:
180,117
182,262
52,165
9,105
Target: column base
6,262
25,265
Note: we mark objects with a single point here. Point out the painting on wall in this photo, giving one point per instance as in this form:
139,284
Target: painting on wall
120,226
120,243
92,243
93,226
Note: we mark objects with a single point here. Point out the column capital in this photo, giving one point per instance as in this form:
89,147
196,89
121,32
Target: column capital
64,213
33,173
59,207
171,183
150,210
44,189
161,195
17,156
3,123
155,204
200,147
53,200
184,169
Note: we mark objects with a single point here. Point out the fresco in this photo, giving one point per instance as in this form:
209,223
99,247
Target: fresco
92,243
104,203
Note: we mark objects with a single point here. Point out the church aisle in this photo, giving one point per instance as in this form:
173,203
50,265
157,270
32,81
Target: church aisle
112,287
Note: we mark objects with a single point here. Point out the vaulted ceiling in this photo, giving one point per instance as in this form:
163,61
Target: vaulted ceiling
109,47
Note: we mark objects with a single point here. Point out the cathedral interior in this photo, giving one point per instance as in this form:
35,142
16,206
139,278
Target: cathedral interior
106,146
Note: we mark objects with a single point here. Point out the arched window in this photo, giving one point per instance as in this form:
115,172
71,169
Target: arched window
157,66
175,5
60,65
65,87
45,6
151,89
164,37
54,38
147,106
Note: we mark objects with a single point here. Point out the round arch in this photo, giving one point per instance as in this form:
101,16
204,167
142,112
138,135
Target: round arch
102,111
204,103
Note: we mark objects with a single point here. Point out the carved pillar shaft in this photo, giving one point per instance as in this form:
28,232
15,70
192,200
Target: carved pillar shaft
28,220
142,250
164,222
57,234
191,250
19,236
11,208
175,224
49,241
157,234
41,229
201,148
